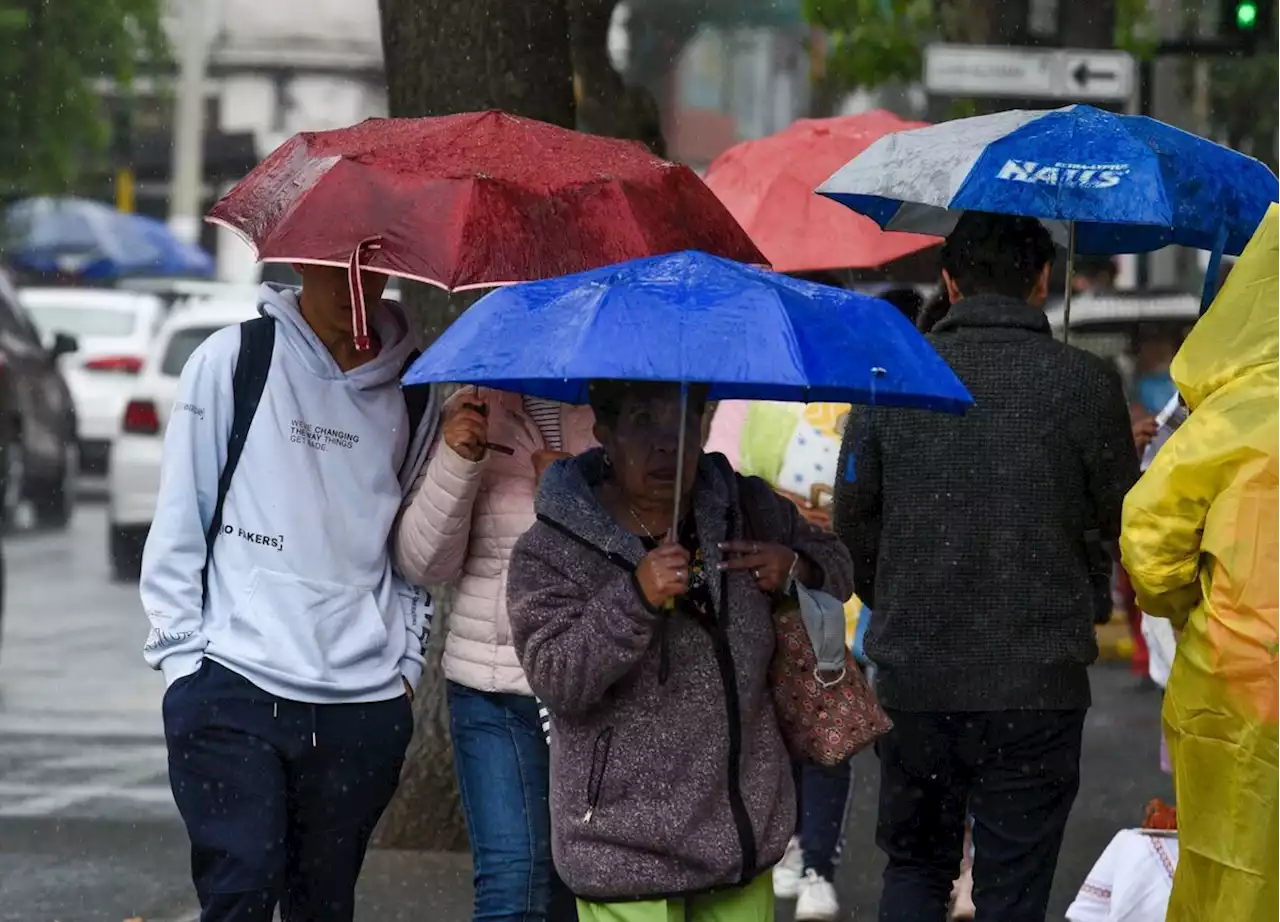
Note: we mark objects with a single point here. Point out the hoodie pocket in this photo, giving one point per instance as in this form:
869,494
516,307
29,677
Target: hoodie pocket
310,628
599,764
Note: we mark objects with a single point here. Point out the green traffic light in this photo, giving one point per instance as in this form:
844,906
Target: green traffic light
1246,15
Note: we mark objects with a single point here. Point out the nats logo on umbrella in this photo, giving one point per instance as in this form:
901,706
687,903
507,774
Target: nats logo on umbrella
1079,175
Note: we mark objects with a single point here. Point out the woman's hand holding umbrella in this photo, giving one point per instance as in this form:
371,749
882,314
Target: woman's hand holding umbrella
466,431
663,574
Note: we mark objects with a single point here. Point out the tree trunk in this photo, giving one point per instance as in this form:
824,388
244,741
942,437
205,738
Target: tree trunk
445,56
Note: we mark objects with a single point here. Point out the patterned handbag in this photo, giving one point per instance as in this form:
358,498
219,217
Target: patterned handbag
826,710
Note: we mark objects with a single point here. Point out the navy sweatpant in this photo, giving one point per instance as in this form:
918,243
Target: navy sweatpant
279,798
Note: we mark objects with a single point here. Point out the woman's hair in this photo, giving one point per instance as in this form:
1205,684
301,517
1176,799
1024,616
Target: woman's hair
906,300
608,397
933,311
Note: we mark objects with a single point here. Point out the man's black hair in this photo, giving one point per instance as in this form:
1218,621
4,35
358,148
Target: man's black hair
934,310
990,254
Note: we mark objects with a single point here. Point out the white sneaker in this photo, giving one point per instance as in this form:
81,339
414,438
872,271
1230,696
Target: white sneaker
788,874
817,901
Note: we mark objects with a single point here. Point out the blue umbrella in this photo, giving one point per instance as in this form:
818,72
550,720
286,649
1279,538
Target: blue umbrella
689,317
1128,183
96,242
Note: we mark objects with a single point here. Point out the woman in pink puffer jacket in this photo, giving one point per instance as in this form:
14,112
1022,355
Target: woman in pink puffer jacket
464,514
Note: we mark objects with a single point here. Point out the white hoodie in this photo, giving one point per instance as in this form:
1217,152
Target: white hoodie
302,598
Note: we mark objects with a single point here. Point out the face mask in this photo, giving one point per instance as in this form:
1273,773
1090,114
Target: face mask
1155,390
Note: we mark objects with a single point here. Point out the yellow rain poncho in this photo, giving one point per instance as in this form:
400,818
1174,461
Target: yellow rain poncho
1200,544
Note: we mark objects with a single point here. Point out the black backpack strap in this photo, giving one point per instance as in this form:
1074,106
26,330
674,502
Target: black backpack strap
257,342
416,397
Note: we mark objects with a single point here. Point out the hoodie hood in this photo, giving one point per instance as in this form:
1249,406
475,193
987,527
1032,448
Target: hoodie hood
1238,335
280,302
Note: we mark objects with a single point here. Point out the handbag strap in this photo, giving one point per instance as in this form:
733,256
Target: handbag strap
821,614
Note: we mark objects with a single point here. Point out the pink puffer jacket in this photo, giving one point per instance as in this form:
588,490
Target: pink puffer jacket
459,524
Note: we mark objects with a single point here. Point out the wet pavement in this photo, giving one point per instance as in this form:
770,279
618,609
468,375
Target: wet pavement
88,831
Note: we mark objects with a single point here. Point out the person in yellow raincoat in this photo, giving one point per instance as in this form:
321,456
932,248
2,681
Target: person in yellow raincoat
1200,543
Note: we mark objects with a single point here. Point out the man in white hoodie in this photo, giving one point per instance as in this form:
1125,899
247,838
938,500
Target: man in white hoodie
289,645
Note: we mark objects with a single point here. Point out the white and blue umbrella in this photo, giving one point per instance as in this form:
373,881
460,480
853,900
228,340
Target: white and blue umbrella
1102,183
1128,183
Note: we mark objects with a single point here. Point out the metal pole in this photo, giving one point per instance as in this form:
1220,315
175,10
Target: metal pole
187,170
1071,271
673,535
1146,103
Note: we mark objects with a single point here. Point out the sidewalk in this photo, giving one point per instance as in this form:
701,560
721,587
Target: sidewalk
415,886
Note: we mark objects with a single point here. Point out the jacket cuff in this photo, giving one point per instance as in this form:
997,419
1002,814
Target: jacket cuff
455,466
179,665
411,670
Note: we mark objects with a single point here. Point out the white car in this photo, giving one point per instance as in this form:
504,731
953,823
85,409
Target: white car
114,330
133,479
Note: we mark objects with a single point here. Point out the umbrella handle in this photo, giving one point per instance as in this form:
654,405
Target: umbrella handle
359,317
1211,271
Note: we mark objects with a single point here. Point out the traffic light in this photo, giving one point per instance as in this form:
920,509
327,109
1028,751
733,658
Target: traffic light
1246,22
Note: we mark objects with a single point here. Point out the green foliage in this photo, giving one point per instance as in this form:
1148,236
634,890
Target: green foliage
872,42
1237,114
1136,30
52,120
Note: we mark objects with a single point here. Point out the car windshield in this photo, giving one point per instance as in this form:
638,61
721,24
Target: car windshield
181,345
82,321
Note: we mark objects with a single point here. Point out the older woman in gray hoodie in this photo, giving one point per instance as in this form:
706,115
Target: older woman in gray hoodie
650,640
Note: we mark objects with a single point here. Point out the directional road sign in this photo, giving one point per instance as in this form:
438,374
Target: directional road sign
992,70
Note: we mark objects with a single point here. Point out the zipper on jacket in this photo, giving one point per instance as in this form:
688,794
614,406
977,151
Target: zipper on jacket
737,806
595,777
729,679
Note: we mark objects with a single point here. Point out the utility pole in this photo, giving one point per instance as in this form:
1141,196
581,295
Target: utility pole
187,170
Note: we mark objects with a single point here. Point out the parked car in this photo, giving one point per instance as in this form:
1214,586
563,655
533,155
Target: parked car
38,446
114,330
174,292
133,479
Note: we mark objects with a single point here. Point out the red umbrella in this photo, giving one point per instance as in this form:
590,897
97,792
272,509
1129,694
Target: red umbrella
768,186
472,200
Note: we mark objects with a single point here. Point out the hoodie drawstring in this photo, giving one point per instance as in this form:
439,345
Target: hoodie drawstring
359,318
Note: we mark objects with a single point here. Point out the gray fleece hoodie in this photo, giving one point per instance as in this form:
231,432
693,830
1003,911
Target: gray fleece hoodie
664,781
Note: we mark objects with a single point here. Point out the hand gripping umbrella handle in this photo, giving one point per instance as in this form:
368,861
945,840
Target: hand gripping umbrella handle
359,317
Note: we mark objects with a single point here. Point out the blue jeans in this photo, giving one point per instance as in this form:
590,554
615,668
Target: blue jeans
822,800
503,764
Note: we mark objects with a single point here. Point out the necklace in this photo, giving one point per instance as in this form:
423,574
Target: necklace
645,528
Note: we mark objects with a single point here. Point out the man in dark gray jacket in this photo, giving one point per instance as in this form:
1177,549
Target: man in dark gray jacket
968,536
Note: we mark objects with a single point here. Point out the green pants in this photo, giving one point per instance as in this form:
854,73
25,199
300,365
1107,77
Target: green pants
750,903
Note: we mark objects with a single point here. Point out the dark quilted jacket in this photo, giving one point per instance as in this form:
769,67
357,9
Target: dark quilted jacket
967,532
663,781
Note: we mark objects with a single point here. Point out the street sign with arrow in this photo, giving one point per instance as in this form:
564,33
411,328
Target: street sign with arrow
1102,75
1073,74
